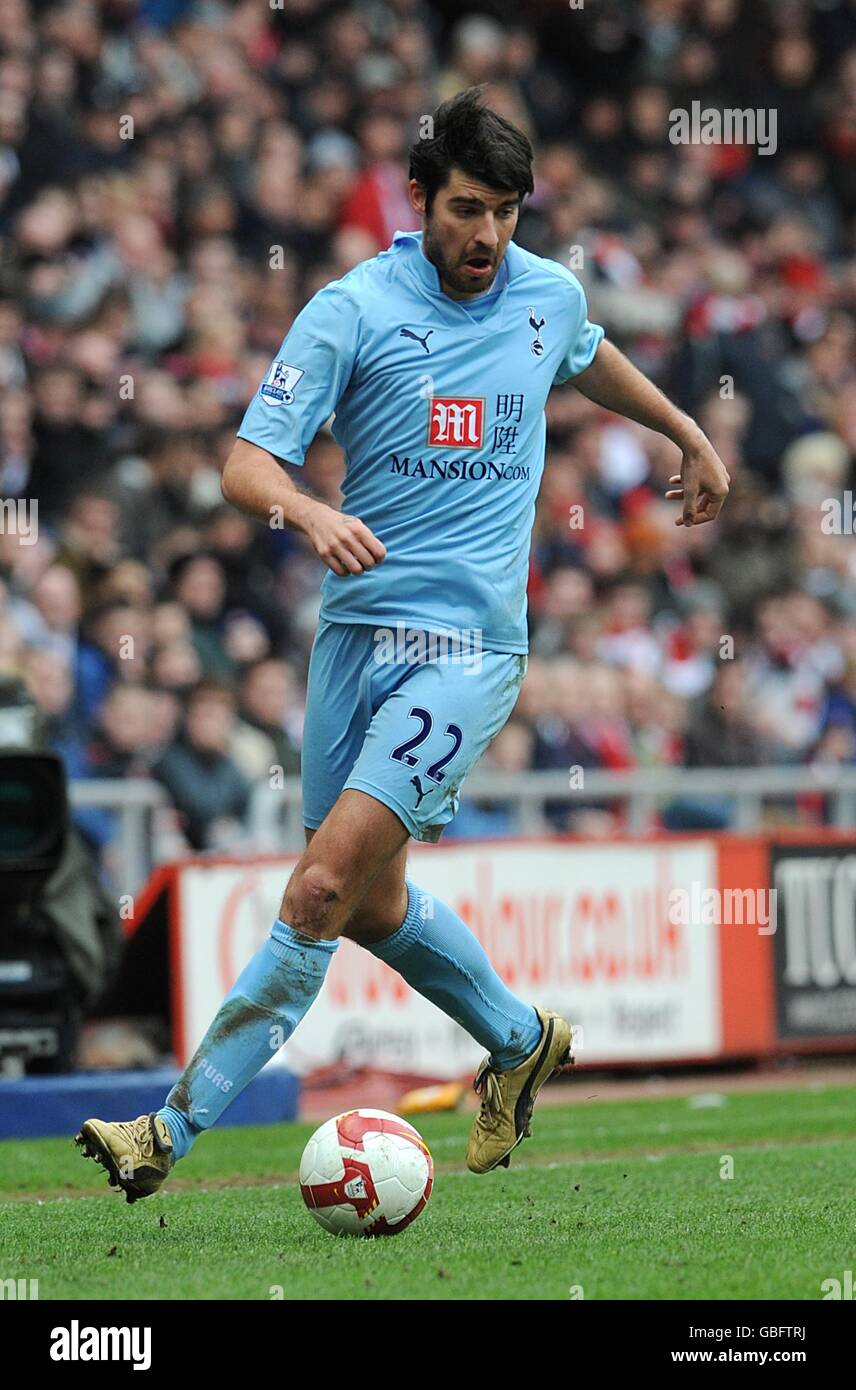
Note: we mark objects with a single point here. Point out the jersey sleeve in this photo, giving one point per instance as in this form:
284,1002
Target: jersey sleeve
307,379
584,339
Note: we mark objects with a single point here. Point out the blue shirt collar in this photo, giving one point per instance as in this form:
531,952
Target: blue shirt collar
426,272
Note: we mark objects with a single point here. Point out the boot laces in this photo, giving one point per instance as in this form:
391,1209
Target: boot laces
139,1134
487,1086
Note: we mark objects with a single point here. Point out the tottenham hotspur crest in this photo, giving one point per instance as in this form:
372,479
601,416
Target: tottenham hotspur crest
536,325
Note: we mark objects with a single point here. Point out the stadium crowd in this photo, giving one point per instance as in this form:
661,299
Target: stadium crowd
178,177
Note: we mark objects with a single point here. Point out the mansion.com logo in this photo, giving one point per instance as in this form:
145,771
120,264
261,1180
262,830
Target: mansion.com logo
456,422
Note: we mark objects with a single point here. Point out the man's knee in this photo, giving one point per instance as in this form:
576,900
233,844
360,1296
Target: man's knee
315,901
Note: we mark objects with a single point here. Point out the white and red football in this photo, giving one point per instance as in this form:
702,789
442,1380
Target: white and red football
366,1173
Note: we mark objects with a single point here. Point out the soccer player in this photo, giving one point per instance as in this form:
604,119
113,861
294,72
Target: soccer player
437,357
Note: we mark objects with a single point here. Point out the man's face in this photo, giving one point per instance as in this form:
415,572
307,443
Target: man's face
210,721
466,234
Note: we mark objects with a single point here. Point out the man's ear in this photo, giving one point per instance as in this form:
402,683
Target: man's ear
417,196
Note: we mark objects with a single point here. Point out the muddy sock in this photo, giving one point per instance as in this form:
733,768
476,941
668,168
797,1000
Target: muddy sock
265,1005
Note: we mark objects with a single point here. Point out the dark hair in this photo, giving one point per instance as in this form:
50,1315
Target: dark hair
212,688
180,563
469,136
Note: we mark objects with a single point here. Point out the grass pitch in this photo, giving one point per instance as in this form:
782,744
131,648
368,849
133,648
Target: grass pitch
608,1200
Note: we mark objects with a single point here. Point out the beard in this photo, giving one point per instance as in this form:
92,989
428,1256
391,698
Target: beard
456,276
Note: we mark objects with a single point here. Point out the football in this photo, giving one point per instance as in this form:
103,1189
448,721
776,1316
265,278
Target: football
366,1173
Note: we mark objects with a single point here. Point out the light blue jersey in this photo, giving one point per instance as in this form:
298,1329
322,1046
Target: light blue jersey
440,411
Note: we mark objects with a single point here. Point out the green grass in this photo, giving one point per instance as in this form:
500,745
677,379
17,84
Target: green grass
624,1199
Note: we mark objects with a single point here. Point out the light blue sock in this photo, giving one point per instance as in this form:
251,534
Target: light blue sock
262,1010
438,955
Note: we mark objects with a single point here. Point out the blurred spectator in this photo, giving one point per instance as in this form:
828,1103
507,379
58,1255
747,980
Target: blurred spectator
115,646
268,708
50,617
204,783
377,202
67,452
720,733
199,587
125,745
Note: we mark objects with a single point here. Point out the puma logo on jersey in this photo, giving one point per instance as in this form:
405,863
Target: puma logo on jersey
408,333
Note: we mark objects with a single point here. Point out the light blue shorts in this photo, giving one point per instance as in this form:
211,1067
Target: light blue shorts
404,721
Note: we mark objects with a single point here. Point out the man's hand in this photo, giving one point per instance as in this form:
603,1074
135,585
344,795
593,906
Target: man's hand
612,381
254,482
702,484
344,543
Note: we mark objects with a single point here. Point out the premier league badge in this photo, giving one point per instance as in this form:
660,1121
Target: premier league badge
278,386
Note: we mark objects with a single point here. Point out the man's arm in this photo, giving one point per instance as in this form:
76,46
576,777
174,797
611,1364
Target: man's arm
254,482
613,382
